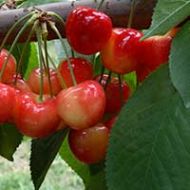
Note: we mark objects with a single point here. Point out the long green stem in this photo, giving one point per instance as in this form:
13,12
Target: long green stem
13,27
58,17
25,47
29,22
100,5
52,25
45,34
39,39
62,81
131,14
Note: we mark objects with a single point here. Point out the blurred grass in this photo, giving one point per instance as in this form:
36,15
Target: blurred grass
16,175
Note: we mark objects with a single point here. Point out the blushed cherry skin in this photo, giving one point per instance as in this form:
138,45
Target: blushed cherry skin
87,30
7,97
89,145
34,81
114,100
10,68
18,83
35,119
154,51
81,106
120,52
83,70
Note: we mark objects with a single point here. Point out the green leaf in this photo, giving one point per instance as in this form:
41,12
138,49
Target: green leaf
10,139
168,14
33,61
93,176
131,80
150,142
179,63
43,152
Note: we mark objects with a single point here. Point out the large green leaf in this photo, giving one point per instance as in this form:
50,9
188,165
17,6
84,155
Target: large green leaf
43,153
150,142
93,175
167,14
10,139
179,63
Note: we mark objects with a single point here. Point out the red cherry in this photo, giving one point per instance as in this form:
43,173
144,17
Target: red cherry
119,53
82,69
34,82
114,100
22,86
153,52
19,84
81,106
7,97
10,68
87,30
89,145
35,119
142,72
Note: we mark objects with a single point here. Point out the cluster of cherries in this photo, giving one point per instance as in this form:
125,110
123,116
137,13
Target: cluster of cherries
82,106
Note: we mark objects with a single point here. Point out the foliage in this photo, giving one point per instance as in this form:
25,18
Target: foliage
179,60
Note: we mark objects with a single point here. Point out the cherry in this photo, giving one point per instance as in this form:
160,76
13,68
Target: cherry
18,83
34,81
87,30
35,119
7,97
82,69
89,145
119,53
153,52
81,106
10,68
114,98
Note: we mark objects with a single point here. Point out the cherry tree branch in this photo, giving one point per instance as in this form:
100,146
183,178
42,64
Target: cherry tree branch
118,10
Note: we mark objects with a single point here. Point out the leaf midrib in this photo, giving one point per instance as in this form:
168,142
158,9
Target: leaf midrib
166,19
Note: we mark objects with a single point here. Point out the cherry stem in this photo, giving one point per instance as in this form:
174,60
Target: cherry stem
45,34
120,89
50,13
14,26
94,61
108,79
52,25
29,22
102,73
39,39
131,14
24,49
62,81
100,5
72,53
